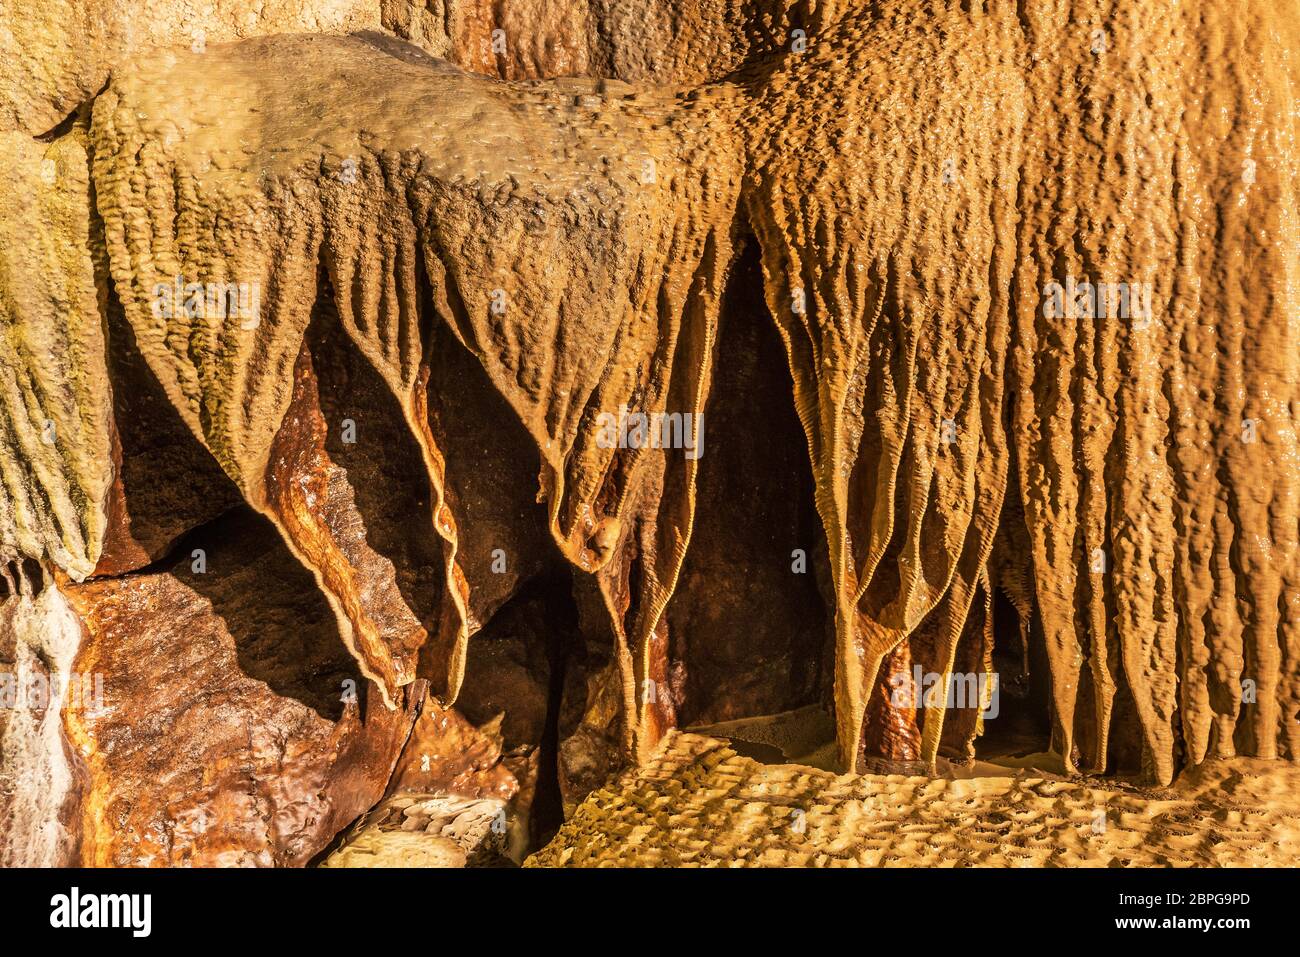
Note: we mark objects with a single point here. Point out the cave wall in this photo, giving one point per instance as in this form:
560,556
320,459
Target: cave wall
912,177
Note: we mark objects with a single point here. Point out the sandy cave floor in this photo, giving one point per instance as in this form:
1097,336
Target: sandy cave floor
699,803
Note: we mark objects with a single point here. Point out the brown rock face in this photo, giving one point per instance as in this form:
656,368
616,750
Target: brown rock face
235,729
892,733
513,383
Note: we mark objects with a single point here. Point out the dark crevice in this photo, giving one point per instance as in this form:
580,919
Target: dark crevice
547,812
1023,724
65,125
181,548
749,621
521,664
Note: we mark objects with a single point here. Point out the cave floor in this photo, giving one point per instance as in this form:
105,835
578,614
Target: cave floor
699,803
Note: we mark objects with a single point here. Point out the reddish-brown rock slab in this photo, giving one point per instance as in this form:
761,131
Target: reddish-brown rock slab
891,732
446,754
450,802
235,729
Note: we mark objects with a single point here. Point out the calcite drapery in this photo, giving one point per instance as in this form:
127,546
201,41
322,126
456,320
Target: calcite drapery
617,185
917,178
525,202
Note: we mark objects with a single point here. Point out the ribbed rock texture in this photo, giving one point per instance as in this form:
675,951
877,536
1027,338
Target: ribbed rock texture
937,304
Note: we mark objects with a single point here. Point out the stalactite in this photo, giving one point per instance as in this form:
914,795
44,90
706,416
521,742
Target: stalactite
886,309
1032,269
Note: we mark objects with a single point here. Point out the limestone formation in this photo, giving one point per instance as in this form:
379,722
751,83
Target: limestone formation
520,382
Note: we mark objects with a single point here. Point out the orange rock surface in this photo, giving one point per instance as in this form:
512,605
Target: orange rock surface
939,308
